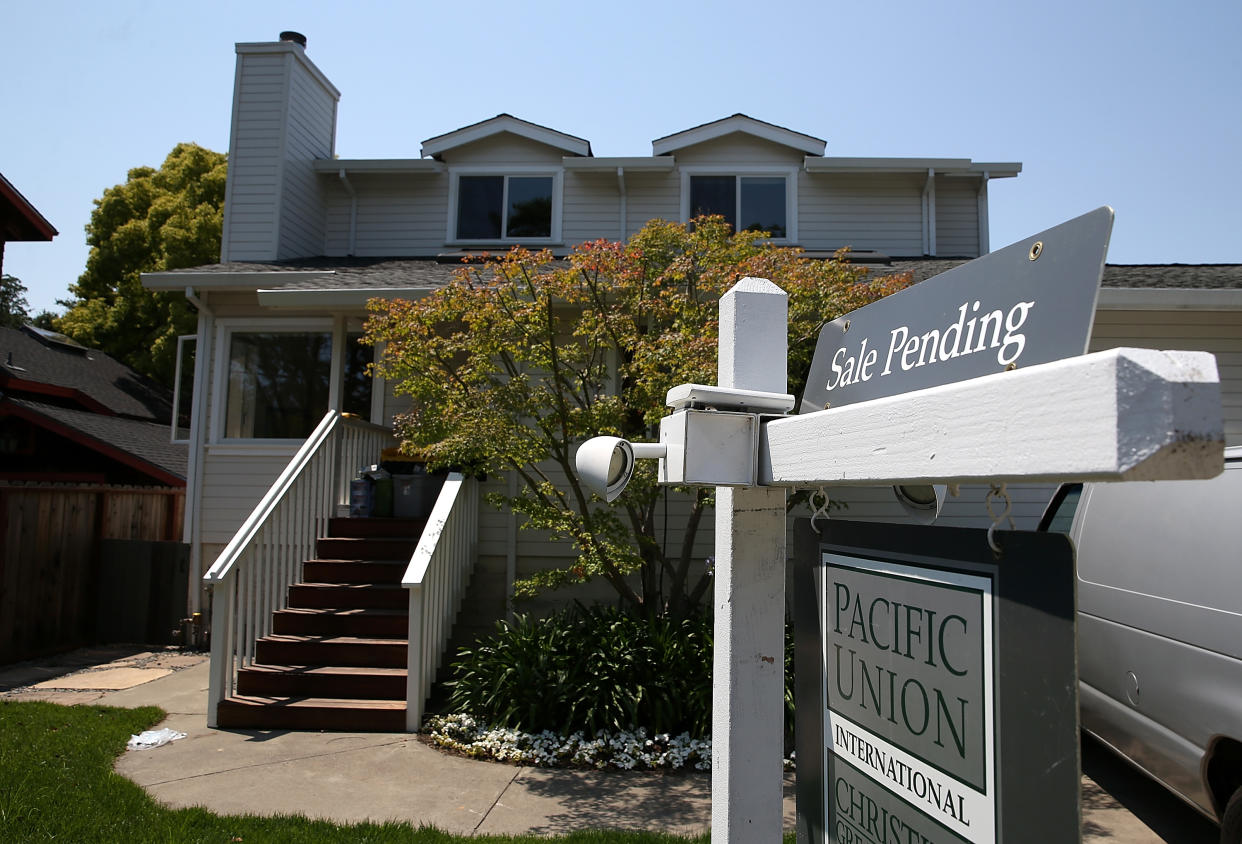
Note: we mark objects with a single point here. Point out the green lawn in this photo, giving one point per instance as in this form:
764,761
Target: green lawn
57,784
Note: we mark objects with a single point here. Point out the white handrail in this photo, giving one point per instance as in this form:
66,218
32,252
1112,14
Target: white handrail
275,493
250,580
436,579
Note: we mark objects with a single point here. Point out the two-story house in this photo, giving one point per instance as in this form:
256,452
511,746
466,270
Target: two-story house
309,237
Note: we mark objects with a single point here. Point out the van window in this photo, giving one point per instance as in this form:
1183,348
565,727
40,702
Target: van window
1059,517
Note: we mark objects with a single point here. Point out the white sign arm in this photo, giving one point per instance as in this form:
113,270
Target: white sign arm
1119,415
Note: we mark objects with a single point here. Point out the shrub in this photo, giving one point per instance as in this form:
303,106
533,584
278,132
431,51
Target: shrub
589,670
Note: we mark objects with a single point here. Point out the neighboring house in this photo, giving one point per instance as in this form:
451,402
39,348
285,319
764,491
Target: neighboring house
19,220
91,487
69,414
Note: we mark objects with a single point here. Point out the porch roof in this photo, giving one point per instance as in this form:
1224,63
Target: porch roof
144,446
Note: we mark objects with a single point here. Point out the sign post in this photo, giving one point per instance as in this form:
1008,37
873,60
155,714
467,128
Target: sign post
961,731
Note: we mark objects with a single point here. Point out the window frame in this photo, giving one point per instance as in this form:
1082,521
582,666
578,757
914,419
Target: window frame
740,172
507,172
225,329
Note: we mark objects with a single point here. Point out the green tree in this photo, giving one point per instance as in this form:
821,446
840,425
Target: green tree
13,302
519,360
157,220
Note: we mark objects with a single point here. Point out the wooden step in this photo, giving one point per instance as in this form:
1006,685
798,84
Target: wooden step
386,596
330,621
354,571
355,548
356,527
293,713
336,681
286,649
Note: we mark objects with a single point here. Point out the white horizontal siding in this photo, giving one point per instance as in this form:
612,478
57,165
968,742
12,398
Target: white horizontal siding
651,196
590,207
957,217
880,212
250,221
404,214
232,486
1218,332
310,120
737,150
501,149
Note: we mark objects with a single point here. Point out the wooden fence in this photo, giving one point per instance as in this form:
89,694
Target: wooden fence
51,533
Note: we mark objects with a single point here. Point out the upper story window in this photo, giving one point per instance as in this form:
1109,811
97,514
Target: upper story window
511,207
761,202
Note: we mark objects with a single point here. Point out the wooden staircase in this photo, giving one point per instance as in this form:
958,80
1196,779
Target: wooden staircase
336,657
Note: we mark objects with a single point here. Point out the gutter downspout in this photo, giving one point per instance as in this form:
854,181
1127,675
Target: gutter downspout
353,210
981,202
621,190
192,531
929,213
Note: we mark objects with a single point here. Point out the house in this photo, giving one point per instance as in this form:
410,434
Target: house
310,237
19,220
91,484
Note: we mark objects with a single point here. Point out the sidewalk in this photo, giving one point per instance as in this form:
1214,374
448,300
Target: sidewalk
350,777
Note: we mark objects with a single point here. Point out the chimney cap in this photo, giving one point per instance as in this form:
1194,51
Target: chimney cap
296,37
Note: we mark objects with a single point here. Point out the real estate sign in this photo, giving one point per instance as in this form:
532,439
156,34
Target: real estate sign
1031,302
945,680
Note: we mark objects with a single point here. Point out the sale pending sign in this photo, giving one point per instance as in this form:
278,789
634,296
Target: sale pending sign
910,700
944,681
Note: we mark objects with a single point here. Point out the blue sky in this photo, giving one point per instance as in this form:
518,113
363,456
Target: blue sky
1137,105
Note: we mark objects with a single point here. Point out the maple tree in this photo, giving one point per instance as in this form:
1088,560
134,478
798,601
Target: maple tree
520,359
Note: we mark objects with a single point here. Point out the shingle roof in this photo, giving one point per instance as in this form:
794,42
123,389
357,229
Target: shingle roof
1163,276
342,273
430,273
93,374
146,442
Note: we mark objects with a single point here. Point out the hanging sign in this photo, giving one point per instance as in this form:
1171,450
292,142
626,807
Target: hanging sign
926,710
1031,302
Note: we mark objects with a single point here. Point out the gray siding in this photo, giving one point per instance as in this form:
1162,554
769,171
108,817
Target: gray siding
591,207
284,117
881,212
957,217
309,135
250,217
396,214
738,150
501,149
651,196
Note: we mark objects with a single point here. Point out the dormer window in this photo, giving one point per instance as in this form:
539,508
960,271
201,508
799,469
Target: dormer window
510,207
748,203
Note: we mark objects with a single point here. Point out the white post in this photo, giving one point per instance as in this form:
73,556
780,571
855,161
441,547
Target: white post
748,663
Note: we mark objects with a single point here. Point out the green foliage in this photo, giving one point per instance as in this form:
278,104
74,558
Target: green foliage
57,784
590,670
13,302
520,359
157,220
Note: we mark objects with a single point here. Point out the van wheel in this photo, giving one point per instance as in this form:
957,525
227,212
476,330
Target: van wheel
1231,821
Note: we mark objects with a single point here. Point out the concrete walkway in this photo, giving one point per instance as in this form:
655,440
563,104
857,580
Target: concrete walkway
349,777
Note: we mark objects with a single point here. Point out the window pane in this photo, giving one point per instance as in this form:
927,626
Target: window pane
714,195
479,202
356,397
530,206
278,384
763,205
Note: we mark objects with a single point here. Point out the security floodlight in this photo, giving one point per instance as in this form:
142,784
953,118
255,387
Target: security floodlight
606,464
921,502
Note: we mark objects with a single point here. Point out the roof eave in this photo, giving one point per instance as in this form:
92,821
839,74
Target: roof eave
734,124
336,298
501,123
389,166
225,280
1169,298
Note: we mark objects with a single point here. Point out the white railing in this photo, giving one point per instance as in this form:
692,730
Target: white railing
250,580
436,579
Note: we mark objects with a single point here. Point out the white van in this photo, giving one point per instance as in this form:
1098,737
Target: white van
1160,629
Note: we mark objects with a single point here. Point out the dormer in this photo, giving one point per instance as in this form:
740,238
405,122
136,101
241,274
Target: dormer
743,169
506,181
